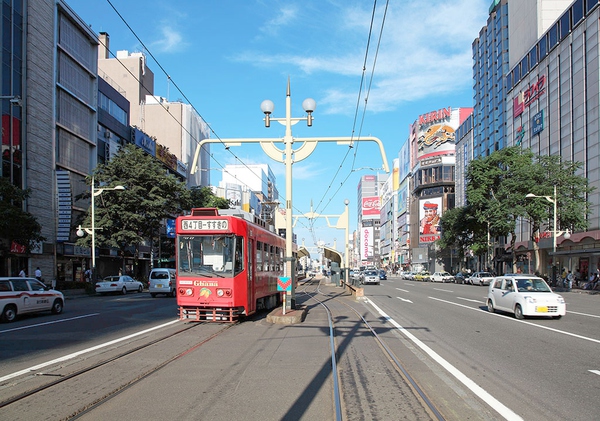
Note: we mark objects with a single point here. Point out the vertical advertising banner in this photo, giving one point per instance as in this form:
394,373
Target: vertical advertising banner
430,212
366,243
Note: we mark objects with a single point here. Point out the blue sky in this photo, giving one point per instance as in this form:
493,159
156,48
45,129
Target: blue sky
369,76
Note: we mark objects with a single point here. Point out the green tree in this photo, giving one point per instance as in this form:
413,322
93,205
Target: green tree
130,217
16,224
203,197
497,186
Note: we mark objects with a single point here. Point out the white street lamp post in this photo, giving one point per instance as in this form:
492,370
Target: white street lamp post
92,231
308,145
555,232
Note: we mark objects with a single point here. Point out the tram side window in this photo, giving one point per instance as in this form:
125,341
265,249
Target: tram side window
259,255
239,255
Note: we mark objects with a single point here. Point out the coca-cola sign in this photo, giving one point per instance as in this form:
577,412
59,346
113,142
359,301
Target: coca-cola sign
370,205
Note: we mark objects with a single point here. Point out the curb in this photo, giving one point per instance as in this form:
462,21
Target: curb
292,316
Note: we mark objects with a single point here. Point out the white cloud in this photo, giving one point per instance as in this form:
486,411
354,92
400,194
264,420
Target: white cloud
424,51
285,15
171,41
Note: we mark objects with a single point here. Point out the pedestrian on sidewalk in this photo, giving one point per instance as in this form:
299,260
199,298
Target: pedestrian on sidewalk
38,274
22,274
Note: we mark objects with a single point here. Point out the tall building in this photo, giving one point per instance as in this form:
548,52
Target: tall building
368,212
553,104
535,79
170,131
432,183
49,133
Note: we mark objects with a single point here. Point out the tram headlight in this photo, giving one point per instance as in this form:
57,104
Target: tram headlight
223,292
186,291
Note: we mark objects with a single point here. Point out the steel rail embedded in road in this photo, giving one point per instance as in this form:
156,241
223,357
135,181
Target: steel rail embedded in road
124,354
419,393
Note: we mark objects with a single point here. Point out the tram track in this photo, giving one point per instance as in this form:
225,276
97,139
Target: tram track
123,358
340,388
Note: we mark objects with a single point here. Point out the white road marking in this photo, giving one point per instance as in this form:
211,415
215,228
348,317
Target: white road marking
83,351
403,290
469,299
49,323
498,406
443,290
595,372
585,314
404,299
521,321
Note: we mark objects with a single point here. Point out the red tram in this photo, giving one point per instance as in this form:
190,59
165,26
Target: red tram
228,265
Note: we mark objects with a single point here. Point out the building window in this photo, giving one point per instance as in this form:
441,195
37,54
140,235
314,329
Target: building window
524,66
577,11
565,24
533,57
553,36
543,47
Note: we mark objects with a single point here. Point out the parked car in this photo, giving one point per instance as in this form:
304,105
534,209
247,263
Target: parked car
524,295
162,281
422,276
460,278
370,277
442,277
382,275
118,283
27,295
480,278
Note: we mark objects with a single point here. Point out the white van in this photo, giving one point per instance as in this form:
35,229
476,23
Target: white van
162,281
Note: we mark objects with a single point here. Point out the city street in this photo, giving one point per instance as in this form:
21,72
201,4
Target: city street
442,333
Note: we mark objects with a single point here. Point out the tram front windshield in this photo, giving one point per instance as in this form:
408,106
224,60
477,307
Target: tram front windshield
210,256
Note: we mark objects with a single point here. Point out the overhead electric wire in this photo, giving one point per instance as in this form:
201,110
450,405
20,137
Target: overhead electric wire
185,97
358,106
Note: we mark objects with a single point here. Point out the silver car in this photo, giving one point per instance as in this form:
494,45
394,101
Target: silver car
370,277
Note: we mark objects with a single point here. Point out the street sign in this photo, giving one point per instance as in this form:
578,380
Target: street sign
284,283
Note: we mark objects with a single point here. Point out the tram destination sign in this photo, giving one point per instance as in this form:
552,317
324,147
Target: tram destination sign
204,224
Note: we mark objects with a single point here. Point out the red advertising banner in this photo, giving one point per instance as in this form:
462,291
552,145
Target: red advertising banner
370,205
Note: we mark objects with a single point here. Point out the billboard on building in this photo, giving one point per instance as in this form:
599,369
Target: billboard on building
436,131
370,206
366,243
430,212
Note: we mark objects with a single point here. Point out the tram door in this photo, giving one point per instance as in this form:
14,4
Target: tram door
251,275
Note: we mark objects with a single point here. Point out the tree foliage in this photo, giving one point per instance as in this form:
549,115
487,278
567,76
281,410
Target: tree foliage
497,186
16,224
129,217
203,197
133,216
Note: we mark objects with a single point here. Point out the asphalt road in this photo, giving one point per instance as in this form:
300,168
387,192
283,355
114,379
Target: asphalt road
532,369
539,368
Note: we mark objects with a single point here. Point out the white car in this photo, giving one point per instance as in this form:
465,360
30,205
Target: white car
370,277
480,278
524,295
27,295
118,283
442,277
